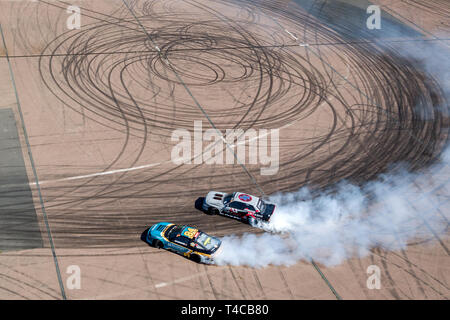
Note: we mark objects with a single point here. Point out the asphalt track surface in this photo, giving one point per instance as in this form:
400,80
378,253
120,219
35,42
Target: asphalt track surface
386,113
107,65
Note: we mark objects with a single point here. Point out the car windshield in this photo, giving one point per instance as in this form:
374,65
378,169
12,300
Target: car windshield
261,206
208,242
173,231
227,198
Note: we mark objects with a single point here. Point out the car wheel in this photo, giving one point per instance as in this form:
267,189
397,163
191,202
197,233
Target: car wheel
199,203
252,221
144,235
196,258
158,244
213,211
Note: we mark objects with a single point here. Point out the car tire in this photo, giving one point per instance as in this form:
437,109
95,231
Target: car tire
199,203
212,211
196,258
252,221
158,244
144,235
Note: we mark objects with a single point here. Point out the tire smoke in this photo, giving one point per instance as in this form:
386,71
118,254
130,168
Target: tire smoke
387,213
394,210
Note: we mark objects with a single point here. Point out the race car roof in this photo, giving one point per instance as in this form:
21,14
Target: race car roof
190,232
246,198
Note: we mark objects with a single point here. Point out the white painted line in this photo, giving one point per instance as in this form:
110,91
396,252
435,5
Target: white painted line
291,34
296,39
160,285
104,173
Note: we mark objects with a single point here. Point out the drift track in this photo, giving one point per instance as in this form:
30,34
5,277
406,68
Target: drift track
101,103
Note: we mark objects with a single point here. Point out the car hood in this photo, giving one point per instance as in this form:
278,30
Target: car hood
215,198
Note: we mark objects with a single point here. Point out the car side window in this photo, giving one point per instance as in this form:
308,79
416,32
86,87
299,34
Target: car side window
250,207
237,205
199,247
232,205
182,241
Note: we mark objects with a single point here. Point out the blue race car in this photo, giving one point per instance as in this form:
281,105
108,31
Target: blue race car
184,240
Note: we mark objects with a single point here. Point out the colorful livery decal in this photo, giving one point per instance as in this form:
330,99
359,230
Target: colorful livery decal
245,197
190,233
208,240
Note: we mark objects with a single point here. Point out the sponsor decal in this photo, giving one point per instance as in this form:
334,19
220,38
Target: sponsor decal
190,232
245,197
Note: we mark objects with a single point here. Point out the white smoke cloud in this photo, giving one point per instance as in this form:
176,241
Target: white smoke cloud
397,208
389,212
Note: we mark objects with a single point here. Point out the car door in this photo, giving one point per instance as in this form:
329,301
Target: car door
180,244
249,209
236,209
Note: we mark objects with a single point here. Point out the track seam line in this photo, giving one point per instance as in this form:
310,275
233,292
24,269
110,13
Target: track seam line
44,213
218,48
338,297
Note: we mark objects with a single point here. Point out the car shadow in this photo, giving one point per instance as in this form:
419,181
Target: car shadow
199,204
144,236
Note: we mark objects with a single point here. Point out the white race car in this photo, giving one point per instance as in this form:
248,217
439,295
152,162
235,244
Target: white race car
237,205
